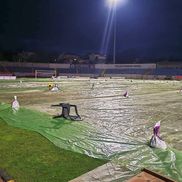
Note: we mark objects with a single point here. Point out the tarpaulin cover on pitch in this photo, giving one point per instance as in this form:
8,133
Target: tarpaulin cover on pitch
132,153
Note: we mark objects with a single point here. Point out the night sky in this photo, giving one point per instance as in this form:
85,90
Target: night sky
145,28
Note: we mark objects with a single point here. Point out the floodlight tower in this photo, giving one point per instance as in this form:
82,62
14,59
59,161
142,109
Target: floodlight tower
114,46
113,5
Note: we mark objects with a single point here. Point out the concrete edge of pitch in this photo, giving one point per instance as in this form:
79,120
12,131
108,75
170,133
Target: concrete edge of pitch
106,172
110,172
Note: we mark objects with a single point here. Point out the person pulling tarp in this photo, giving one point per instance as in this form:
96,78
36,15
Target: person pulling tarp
50,86
66,107
156,141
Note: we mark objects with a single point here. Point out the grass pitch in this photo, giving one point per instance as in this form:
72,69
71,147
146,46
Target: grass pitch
27,156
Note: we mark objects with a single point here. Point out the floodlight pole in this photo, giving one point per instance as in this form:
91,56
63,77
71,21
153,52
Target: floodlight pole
114,42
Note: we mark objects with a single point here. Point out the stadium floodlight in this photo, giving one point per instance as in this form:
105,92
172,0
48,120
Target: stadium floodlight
113,6
114,3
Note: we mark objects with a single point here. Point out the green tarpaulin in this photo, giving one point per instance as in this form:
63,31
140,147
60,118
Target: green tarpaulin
130,152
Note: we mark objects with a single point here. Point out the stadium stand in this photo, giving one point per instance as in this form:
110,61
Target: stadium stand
98,69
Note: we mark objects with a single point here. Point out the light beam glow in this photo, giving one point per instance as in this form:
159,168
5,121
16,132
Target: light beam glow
107,33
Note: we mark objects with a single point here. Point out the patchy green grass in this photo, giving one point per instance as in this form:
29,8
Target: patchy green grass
29,157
